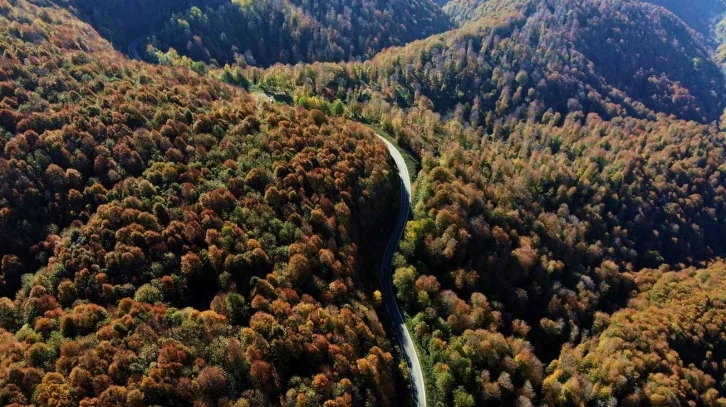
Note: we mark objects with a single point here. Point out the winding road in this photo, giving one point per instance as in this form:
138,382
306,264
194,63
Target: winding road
386,274
389,293
133,48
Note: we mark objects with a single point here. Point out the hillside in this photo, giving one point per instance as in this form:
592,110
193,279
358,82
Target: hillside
550,62
706,16
660,350
465,11
265,32
186,245
555,166
517,241
171,239
701,15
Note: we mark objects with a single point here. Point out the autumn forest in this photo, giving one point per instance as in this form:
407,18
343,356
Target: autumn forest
196,203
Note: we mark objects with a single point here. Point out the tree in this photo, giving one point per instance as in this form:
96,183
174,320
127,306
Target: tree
462,398
149,294
54,392
403,280
212,381
338,108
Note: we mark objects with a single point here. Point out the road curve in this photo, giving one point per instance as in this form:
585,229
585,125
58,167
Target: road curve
389,294
386,274
133,48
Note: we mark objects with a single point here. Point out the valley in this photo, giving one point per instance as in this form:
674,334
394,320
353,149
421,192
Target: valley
362,203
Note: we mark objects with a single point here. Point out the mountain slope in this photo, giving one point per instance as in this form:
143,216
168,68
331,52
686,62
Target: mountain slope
707,17
183,243
518,240
544,176
561,51
464,11
551,61
701,15
170,240
658,350
267,31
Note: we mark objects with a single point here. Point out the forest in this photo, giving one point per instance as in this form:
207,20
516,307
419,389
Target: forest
173,237
665,348
187,245
268,31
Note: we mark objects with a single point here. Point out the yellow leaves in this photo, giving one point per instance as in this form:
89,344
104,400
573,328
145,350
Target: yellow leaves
441,174
377,298
574,392
526,257
423,299
551,386
262,323
338,289
364,367
326,257
659,391
711,398
54,392
190,264
633,346
415,229
403,280
445,218
211,317
297,270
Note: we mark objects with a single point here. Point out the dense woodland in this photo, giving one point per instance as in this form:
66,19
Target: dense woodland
528,210
701,15
170,239
526,238
269,31
186,244
515,68
666,348
465,11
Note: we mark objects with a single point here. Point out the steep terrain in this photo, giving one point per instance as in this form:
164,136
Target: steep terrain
663,349
515,243
707,17
555,166
173,240
701,15
263,32
133,193
465,11
548,63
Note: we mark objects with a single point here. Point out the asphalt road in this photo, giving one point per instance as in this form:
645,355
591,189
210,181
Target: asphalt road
386,274
133,48
389,293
